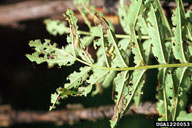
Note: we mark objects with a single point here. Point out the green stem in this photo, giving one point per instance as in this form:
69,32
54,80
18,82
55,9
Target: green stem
143,67
129,68
120,36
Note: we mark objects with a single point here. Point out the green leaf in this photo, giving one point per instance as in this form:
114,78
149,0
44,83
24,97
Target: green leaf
119,85
119,60
178,43
170,93
96,31
103,45
60,93
100,57
85,55
97,79
125,45
55,27
123,12
187,21
142,24
125,90
48,52
97,43
139,92
136,48
183,116
147,53
157,35
162,105
182,83
77,78
190,50
74,36
108,79
147,50
188,15
54,100
97,76
70,17
134,10
165,22
84,90
86,41
136,82
169,51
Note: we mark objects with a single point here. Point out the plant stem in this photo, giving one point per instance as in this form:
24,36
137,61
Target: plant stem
144,67
120,36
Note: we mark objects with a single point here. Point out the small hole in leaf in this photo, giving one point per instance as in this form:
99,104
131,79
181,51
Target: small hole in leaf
156,58
171,88
174,14
122,17
160,116
51,57
41,55
115,93
169,73
173,44
170,97
133,46
52,52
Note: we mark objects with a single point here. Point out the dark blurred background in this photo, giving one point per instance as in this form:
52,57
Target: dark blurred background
27,86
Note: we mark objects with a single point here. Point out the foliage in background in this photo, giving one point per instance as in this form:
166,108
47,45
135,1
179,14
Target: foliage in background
147,34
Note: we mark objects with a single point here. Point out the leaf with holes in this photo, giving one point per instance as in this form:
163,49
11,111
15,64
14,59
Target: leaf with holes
47,52
77,78
56,27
